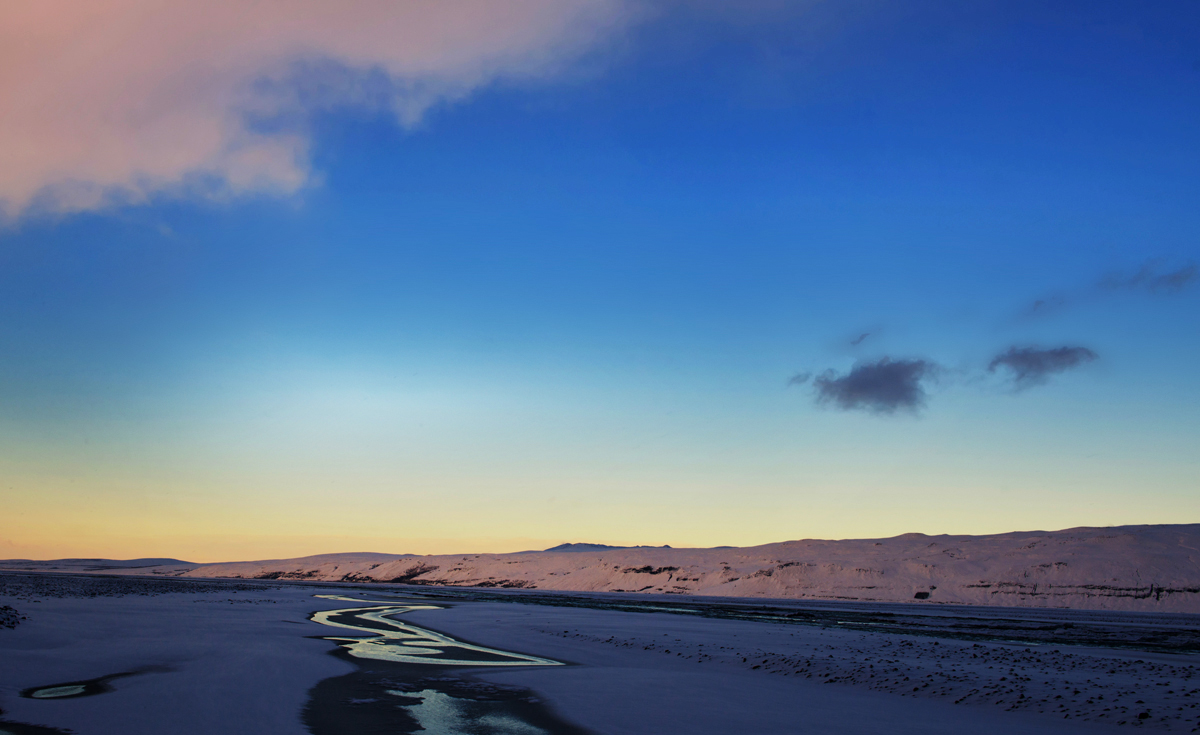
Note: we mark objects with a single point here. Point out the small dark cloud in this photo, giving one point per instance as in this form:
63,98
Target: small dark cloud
1047,304
1031,366
799,379
859,339
885,386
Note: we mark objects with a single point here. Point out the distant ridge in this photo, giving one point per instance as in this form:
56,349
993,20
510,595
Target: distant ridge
567,548
1151,568
96,565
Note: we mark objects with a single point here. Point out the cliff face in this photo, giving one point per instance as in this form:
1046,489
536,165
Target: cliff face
1135,568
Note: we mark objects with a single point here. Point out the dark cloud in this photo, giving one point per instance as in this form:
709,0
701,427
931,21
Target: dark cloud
799,379
880,387
859,339
1031,366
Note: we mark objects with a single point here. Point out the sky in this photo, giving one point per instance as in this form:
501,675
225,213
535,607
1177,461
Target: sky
290,278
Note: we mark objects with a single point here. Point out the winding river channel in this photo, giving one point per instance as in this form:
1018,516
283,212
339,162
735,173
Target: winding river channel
388,639
412,679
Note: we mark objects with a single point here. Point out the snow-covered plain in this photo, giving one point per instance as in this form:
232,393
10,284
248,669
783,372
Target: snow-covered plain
208,658
660,673
234,657
1146,568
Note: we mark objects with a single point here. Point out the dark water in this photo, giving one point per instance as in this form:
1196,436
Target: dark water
73,689
388,698
19,728
413,679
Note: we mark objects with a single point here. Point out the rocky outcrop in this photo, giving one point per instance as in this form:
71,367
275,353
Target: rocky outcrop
9,617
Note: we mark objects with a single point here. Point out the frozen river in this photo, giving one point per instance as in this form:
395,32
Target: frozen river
412,679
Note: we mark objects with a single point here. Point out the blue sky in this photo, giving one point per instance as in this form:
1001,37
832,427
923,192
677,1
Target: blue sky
568,307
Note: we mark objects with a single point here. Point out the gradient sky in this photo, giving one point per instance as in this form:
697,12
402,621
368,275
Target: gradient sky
408,280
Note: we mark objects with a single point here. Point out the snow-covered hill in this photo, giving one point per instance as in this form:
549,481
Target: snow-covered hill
1147,568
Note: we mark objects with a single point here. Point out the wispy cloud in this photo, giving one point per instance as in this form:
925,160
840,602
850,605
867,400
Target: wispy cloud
1030,366
799,378
1152,277
884,386
119,100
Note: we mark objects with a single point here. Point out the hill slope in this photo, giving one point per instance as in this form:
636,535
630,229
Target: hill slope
1150,568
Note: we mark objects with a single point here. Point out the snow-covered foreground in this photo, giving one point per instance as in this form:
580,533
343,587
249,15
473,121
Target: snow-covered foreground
1149,568
233,657
658,673
218,658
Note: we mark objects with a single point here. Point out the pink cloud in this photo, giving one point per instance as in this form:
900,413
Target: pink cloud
109,101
